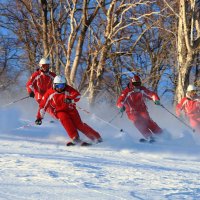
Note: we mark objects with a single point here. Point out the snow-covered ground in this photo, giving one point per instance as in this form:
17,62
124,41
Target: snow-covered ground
35,164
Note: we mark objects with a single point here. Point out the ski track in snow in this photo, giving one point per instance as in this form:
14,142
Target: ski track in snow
35,166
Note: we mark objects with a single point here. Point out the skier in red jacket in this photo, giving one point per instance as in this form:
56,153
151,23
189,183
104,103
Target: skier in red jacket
40,81
132,100
190,105
62,98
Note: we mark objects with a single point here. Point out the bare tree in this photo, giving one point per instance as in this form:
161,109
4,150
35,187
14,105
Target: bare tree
10,65
23,24
97,44
188,41
84,22
121,16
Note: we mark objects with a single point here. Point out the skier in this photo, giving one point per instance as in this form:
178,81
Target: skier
190,105
131,100
62,99
40,81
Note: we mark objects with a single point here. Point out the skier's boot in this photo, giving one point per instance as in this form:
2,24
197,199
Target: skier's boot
85,144
74,142
99,140
152,139
143,140
70,143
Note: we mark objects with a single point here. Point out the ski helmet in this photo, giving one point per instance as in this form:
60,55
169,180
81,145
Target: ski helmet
59,79
136,78
136,81
191,88
59,83
44,61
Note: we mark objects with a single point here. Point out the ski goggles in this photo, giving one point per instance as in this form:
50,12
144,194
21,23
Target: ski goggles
45,67
136,83
59,85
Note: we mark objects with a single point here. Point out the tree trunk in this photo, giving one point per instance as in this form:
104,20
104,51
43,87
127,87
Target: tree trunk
185,53
85,24
79,48
92,78
44,27
183,80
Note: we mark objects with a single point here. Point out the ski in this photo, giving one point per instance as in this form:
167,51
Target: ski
142,140
68,144
82,144
85,144
152,140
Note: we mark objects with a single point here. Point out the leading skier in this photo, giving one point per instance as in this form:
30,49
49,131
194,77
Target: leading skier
62,100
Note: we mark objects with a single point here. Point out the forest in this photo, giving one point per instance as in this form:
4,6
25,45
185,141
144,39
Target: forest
100,44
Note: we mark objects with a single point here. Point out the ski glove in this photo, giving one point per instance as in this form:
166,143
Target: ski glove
38,121
122,109
31,94
157,102
67,100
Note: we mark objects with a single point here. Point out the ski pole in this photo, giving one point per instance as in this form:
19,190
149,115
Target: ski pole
113,126
26,126
121,130
178,118
115,117
15,101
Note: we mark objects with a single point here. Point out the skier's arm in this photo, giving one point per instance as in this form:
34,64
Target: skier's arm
30,83
180,106
150,95
122,97
73,94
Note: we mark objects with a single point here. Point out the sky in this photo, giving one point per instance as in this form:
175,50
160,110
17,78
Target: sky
36,164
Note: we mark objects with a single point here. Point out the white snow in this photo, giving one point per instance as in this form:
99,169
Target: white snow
35,164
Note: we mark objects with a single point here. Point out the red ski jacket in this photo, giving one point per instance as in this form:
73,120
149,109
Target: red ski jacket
133,98
39,83
189,106
57,101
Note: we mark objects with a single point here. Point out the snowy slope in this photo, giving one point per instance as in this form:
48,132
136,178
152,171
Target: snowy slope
35,164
